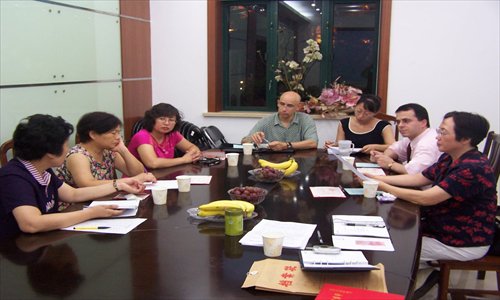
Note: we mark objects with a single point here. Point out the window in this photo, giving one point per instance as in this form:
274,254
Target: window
254,35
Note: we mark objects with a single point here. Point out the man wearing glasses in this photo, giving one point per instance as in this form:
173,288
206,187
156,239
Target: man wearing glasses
286,129
417,150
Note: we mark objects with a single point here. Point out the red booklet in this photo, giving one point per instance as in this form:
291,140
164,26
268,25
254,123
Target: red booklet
339,292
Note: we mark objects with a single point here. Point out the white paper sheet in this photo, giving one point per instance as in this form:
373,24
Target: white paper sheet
326,191
359,226
335,150
172,184
129,207
352,168
117,226
296,234
372,171
362,243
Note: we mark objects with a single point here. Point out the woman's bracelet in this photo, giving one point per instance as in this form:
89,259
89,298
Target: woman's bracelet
115,185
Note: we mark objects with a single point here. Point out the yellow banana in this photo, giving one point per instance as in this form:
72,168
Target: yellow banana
293,167
218,207
209,213
282,165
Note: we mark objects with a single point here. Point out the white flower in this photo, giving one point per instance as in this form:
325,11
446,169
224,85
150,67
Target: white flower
292,64
278,78
307,58
317,56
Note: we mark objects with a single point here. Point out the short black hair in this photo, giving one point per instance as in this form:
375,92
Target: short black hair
40,134
161,110
370,102
420,111
469,126
100,122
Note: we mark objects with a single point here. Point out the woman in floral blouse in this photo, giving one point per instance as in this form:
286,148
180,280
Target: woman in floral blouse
100,152
458,212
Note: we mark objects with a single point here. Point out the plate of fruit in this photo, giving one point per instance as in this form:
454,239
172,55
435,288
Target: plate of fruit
266,174
252,194
288,167
214,211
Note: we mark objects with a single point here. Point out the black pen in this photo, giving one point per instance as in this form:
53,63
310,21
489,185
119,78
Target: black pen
319,236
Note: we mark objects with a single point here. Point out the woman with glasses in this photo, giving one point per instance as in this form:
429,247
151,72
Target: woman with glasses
155,144
100,152
458,211
363,129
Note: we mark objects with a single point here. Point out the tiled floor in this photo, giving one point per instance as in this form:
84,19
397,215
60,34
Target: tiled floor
462,279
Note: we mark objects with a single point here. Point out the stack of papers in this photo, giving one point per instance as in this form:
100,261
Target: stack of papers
360,233
296,234
345,260
372,171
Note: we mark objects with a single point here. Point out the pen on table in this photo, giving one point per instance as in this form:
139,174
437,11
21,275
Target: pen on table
265,140
369,225
320,239
91,227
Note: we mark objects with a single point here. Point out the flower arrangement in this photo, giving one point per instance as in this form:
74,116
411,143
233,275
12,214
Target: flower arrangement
292,74
340,99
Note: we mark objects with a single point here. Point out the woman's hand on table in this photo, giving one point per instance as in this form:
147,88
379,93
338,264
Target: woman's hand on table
329,144
104,211
368,149
130,185
145,177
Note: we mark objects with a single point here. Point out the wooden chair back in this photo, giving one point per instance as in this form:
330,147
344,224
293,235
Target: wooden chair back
390,119
4,149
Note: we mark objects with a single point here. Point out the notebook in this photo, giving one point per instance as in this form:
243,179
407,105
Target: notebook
344,261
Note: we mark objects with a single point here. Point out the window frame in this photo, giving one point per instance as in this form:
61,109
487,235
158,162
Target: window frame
215,61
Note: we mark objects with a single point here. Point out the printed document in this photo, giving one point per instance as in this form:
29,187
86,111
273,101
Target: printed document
296,234
118,226
362,243
129,207
359,226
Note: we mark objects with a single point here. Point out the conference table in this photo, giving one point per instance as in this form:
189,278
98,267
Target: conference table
172,256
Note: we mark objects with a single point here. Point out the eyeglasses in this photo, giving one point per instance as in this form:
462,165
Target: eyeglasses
167,120
442,132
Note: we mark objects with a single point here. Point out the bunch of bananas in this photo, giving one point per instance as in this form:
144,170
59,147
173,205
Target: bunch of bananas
288,166
217,208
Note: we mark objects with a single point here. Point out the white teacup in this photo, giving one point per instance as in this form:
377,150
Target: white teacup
247,148
345,147
273,243
349,160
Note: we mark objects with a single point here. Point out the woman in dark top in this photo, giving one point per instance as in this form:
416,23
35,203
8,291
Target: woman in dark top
458,211
363,129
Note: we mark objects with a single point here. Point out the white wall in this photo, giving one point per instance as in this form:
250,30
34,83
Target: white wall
444,55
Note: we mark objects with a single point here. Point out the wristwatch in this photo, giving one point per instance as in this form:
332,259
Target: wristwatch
289,145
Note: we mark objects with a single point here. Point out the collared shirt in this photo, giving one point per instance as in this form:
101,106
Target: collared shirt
424,151
467,219
301,128
20,185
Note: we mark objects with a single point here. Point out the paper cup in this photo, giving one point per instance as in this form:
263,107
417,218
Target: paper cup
247,148
232,159
273,243
350,160
159,196
183,183
370,188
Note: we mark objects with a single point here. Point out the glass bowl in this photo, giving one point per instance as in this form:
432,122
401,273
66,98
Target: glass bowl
252,194
268,174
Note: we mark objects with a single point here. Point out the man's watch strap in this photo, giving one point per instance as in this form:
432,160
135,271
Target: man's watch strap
289,145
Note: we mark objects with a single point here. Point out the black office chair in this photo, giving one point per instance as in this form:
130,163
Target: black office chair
214,136
137,127
193,134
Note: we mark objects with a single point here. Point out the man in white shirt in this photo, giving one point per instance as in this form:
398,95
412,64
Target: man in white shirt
417,150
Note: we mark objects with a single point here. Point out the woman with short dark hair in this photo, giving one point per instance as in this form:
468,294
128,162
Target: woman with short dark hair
101,150
155,144
29,190
363,129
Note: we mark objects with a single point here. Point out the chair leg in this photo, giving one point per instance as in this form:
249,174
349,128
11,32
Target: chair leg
498,280
444,279
481,275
